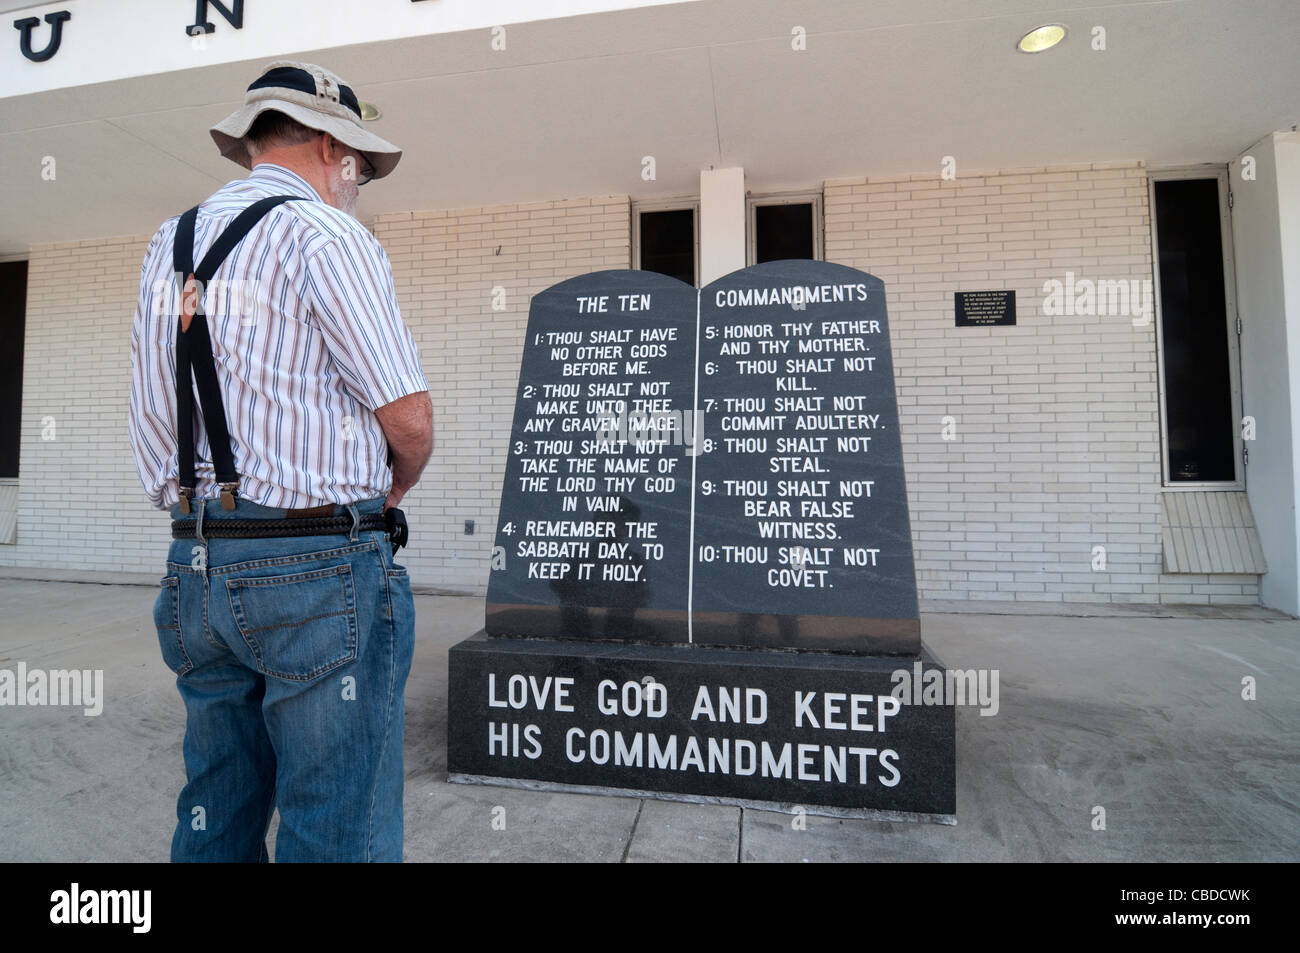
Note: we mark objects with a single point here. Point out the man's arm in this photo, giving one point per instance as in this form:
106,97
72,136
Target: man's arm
353,300
408,427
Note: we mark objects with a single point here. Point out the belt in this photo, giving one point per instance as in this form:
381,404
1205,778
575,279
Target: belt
261,529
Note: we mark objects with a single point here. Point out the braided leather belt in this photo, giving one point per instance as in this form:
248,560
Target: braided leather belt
265,529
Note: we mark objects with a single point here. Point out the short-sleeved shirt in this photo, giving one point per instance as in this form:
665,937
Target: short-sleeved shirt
307,341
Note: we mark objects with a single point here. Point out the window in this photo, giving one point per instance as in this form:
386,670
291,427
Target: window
1196,330
784,226
13,307
665,239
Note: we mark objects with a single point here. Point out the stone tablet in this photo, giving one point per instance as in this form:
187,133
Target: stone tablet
720,467
802,537
594,522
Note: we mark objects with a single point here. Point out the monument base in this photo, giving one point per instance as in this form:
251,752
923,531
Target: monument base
756,728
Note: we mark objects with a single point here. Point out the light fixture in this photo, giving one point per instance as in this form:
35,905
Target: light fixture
1041,38
370,111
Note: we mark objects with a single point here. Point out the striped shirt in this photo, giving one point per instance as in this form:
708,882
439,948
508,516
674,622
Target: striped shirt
307,341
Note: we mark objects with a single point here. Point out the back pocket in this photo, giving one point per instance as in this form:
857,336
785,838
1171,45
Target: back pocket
298,627
167,620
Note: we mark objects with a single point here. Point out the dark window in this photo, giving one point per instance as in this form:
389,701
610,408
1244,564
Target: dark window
13,308
1194,329
668,243
783,231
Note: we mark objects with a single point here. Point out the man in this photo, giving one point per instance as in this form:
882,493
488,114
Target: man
287,623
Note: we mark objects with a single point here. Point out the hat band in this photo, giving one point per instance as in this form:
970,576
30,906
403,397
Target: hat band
287,77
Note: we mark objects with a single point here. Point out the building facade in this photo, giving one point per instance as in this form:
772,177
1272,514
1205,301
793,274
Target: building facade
1104,448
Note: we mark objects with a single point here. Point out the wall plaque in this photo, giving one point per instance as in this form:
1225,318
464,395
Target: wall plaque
985,308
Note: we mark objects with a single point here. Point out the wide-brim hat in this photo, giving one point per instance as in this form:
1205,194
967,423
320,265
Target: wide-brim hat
314,97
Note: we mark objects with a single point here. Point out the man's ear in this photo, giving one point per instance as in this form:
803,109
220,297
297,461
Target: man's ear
328,148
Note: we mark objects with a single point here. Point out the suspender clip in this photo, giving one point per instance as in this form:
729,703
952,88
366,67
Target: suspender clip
228,491
187,494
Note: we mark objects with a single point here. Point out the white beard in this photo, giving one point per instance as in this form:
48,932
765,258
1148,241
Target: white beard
344,190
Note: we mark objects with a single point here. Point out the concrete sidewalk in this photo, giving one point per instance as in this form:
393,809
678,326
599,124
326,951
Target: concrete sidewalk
1138,713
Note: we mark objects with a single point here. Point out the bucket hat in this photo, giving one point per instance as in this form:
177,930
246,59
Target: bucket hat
316,98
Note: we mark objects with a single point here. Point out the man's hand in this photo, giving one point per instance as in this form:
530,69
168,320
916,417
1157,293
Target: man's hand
408,427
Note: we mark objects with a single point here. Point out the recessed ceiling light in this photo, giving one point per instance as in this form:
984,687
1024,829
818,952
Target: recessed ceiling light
1042,38
370,111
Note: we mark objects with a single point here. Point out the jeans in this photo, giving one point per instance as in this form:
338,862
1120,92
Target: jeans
291,656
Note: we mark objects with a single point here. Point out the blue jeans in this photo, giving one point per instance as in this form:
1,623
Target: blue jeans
291,656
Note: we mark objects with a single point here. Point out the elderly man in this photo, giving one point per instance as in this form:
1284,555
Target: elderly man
282,613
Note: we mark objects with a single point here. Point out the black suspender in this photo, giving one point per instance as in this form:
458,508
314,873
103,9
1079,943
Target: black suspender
194,351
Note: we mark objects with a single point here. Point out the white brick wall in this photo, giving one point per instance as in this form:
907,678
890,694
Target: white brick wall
1057,445
80,505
